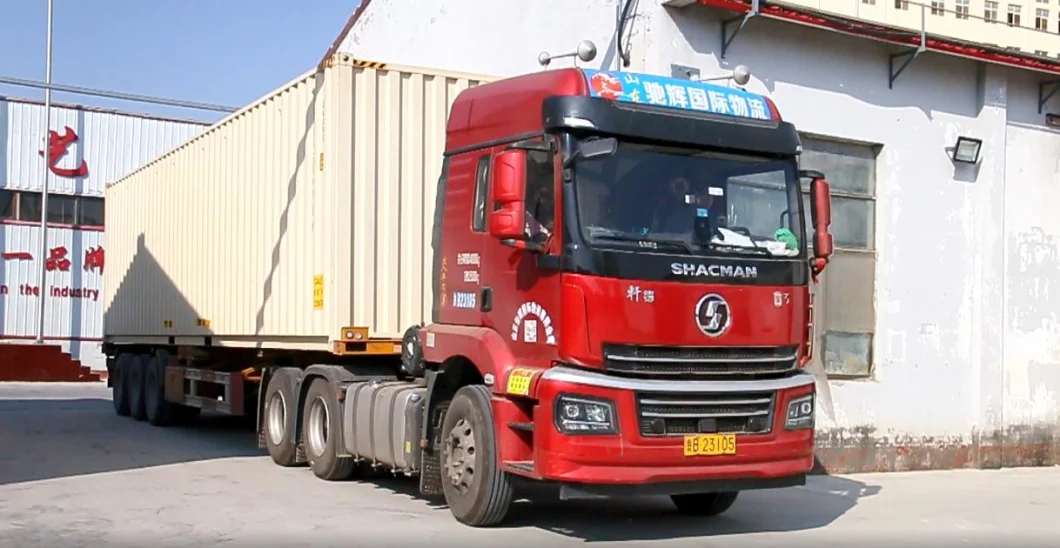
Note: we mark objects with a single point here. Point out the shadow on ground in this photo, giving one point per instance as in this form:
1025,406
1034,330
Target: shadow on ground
69,430
76,432
821,501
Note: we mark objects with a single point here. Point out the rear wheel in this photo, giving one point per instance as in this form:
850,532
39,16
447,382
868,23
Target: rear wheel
159,411
280,417
320,421
134,383
119,384
477,491
704,504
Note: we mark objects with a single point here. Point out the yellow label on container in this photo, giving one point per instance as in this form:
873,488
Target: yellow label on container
318,292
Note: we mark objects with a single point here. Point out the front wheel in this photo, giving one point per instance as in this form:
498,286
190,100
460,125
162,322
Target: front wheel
704,504
477,491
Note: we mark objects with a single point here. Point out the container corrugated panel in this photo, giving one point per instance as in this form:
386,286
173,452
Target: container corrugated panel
323,190
105,145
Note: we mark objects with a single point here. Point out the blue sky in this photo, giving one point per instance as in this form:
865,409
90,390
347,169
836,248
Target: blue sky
217,51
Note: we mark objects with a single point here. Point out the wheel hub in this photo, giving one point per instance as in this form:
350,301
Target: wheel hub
460,456
317,436
277,418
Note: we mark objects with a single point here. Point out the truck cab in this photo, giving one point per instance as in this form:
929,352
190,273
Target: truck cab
622,259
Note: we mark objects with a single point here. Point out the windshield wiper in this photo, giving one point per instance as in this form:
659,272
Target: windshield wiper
647,242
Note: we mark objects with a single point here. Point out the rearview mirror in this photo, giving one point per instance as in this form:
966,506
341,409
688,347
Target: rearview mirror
508,193
820,219
593,148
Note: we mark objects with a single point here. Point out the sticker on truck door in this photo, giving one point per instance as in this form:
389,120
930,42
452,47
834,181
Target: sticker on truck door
526,324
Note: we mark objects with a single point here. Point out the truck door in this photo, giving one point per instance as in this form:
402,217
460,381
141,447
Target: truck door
520,299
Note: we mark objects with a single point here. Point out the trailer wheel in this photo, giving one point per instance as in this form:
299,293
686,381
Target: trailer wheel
477,491
320,419
159,411
704,504
134,383
281,416
119,386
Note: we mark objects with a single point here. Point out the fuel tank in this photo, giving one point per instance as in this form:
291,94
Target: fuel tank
384,421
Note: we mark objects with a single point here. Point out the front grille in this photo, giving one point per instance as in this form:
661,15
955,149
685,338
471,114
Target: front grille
675,414
700,362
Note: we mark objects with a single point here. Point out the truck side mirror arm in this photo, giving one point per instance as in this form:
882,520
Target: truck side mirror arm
524,245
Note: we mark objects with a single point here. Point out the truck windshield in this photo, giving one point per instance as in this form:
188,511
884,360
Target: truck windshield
689,201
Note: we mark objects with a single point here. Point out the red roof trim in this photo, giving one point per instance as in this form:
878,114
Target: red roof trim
890,34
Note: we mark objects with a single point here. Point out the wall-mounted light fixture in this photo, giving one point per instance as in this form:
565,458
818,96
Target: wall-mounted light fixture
966,151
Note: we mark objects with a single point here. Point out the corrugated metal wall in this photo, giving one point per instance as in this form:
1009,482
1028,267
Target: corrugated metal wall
111,144
325,184
74,305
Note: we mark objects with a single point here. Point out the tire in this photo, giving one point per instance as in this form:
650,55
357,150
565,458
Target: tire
119,386
704,504
478,495
134,384
159,411
321,418
280,417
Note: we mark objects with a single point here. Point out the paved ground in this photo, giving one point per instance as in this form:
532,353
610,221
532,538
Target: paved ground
74,474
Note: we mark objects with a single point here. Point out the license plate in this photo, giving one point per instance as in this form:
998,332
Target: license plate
706,445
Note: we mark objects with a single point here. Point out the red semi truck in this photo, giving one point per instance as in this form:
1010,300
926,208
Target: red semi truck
636,319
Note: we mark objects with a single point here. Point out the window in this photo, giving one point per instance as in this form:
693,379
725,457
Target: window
90,212
938,7
869,2
1014,15
478,216
1041,19
963,8
901,4
845,311
28,206
17,205
540,194
7,205
990,11
61,209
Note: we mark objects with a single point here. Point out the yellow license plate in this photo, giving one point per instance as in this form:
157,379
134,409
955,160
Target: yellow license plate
707,445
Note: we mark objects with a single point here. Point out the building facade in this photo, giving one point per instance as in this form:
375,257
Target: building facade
1030,26
87,148
937,327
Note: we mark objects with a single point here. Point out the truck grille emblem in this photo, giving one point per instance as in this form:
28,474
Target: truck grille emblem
713,315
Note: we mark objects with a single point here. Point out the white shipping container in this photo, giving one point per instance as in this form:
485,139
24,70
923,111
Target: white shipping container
305,212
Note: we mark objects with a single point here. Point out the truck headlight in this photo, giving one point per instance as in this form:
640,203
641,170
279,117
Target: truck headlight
582,415
800,413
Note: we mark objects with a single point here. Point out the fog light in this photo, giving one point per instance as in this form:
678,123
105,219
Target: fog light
800,413
580,415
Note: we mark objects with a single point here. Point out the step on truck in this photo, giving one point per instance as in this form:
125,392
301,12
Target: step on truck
593,279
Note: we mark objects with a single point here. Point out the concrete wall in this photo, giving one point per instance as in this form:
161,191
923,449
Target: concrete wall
965,363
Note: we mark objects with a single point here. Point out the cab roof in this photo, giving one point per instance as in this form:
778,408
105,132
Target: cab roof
511,107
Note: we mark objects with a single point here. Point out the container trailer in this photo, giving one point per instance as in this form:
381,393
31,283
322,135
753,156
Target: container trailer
594,279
